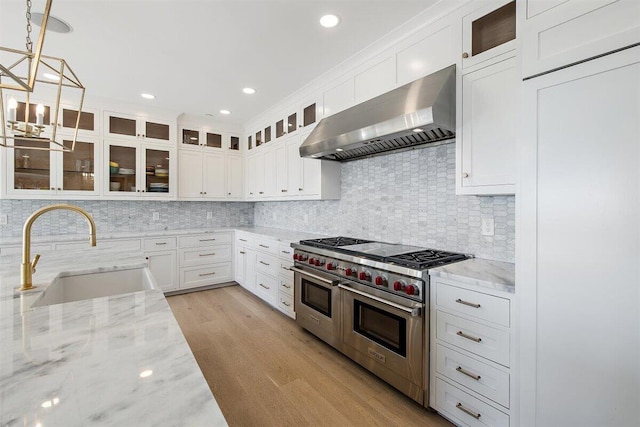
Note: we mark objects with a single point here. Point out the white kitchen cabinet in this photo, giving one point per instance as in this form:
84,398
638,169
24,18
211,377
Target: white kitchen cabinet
270,174
285,284
164,268
486,148
88,125
488,34
235,175
558,33
578,198
375,80
202,139
339,96
282,185
54,174
244,261
201,175
205,259
139,128
250,177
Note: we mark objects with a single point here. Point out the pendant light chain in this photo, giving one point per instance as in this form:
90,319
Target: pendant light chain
29,41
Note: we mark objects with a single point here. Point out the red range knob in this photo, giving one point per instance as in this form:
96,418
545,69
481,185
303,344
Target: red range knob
318,263
397,286
312,261
381,281
349,272
411,290
295,256
363,276
330,266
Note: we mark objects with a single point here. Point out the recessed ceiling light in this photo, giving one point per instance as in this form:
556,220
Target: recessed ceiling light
416,130
249,90
225,112
147,96
50,76
329,21
54,24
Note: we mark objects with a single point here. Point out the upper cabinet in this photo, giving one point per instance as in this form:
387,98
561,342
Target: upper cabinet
488,34
125,126
557,33
88,122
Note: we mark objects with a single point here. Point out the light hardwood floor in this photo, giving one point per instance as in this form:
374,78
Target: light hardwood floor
264,370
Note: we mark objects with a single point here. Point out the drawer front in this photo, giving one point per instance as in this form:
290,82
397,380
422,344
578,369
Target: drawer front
125,245
266,245
17,250
205,255
203,276
482,340
285,304
267,288
244,239
286,286
207,239
481,306
285,251
267,264
285,269
466,408
160,244
479,377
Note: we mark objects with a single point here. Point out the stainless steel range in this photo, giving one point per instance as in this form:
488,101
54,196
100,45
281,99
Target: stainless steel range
369,300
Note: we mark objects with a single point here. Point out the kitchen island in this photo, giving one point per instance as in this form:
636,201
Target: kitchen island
110,361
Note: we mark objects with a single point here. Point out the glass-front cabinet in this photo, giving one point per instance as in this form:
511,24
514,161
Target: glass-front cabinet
195,138
138,170
35,171
126,126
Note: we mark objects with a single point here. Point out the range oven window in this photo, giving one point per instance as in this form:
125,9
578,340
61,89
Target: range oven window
316,297
386,329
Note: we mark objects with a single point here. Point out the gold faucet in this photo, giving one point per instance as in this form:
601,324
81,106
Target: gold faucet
29,267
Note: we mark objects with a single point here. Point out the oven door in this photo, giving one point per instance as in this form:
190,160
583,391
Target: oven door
317,305
384,333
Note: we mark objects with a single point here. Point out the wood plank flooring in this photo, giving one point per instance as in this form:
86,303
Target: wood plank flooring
264,370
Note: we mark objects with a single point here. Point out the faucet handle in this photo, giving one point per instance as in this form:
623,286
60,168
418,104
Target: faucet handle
34,263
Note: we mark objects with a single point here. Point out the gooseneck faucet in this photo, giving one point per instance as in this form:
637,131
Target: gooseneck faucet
28,267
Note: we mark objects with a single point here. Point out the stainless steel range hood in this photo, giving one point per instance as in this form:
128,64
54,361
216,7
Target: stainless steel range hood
411,116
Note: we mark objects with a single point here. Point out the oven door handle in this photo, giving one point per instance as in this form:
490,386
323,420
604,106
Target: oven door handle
413,312
306,273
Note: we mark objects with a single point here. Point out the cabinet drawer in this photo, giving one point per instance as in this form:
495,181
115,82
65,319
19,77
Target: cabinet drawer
266,245
205,255
285,251
267,264
479,339
482,306
285,304
203,276
286,286
478,376
204,240
244,239
124,245
267,288
285,269
463,406
160,244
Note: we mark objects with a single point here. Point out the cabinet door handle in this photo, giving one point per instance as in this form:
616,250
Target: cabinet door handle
161,243
262,192
264,263
467,373
264,246
300,189
52,188
59,189
243,240
465,55
465,175
242,253
286,303
229,193
470,304
266,287
207,240
211,254
283,191
468,411
207,274
469,337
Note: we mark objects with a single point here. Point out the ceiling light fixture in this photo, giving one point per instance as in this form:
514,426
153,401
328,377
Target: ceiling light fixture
249,90
54,24
147,96
225,112
329,21
24,117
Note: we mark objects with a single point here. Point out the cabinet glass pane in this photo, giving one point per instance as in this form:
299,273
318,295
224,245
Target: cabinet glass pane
32,167
78,167
123,176
258,138
292,123
22,108
493,29
279,128
235,143
190,137
249,142
267,134
214,140
122,126
309,115
70,117
157,171
157,131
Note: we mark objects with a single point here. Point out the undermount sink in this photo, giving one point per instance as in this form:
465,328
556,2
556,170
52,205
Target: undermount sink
79,287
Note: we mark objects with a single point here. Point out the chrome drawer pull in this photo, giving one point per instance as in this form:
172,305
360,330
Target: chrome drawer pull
286,303
266,287
468,411
242,252
470,304
207,240
242,240
161,243
286,286
207,274
211,254
264,246
264,263
286,252
467,373
469,337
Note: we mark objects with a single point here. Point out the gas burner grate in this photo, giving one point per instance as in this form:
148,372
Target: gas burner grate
427,258
333,242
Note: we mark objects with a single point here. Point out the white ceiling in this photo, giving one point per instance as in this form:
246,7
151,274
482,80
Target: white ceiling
196,56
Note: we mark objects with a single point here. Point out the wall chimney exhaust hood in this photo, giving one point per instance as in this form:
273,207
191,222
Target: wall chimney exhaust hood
418,114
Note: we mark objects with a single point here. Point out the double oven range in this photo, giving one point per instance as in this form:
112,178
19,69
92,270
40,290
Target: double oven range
369,300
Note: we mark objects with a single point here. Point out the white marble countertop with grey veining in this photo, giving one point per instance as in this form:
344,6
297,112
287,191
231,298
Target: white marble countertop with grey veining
110,361
480,272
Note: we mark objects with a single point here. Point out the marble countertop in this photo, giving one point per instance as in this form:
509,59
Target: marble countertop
480,272
110,361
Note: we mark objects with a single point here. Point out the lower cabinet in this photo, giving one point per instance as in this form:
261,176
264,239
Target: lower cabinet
204,259
164,269
285,285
